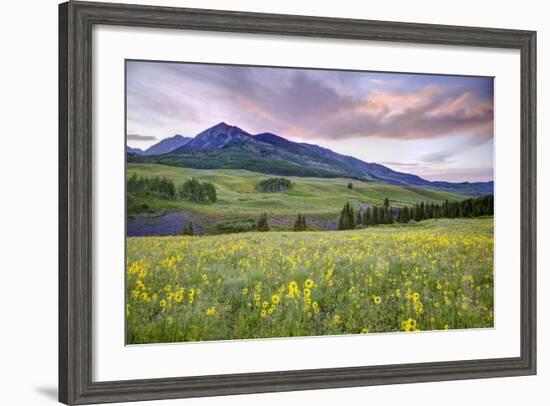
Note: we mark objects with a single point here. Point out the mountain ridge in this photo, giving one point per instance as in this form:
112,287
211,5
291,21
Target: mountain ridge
164,146
230,147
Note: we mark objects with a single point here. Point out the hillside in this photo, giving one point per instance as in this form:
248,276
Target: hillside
229,147
237,195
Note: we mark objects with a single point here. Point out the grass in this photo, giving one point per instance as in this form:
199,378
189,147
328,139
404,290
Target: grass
237,197
434,275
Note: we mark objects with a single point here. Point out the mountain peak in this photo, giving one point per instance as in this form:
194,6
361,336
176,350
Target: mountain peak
231,147
221,126
167,145
216,137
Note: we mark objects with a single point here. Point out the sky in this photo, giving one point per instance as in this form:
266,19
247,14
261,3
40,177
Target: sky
439,127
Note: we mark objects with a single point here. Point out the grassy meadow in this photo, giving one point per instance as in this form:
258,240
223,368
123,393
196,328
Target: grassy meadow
237,196
433,275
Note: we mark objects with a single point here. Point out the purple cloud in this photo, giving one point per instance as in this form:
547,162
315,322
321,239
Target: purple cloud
138,137
324,106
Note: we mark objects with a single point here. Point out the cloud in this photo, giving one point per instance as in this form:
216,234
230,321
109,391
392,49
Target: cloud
137,137
305,104
437,157
404,164
430,113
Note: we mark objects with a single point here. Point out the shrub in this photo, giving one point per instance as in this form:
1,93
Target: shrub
262,223
300,223
187,229
234,226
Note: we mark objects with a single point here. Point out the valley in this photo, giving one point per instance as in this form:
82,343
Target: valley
319,199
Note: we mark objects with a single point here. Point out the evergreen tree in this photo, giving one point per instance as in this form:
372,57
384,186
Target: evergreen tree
367,216
347,218
300,223
400,213
429,210
262,223
350,220
386,202
417,213
350,186
359,218
406,215
375,216
389,217
198,192
273,185
188,229
210,192
163,188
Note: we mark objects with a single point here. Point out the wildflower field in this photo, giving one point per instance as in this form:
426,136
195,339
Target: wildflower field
433,275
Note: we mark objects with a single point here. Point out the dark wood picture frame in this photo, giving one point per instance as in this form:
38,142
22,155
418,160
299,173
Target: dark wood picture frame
76,20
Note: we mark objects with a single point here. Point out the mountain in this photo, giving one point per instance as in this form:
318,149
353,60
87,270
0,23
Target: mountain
229,147
136,151
217,137
167,145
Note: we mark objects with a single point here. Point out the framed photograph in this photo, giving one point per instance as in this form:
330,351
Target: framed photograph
257,202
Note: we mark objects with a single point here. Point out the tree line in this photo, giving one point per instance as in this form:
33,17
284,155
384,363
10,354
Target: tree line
164,188
157,186
472,207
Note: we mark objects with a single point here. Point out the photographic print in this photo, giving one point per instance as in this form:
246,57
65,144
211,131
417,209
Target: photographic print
267,202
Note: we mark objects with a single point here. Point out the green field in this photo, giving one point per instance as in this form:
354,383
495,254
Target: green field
237,196
433,275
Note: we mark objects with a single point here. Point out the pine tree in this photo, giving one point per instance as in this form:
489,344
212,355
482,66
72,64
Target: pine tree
347,218
262,223
417,213
406,215
375,217
350,186
300,223
367,216
359,219
188,229
350,220
386,202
